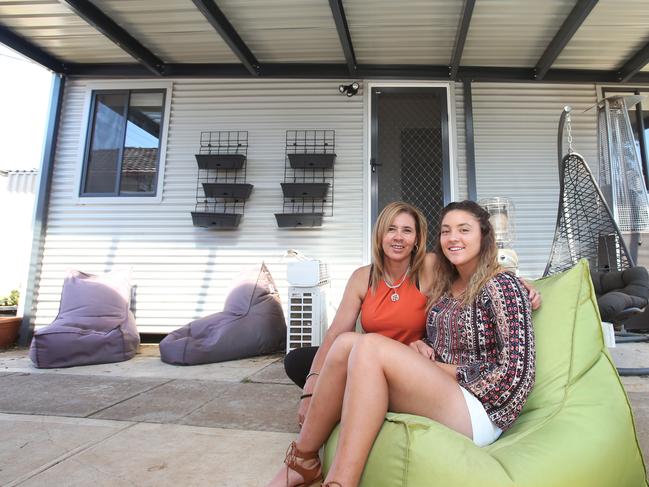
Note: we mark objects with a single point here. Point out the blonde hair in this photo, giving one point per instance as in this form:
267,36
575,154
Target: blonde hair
383,222
445,272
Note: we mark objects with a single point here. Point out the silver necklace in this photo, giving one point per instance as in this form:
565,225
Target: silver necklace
394,287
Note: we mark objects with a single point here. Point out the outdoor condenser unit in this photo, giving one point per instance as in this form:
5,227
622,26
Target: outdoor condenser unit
307,303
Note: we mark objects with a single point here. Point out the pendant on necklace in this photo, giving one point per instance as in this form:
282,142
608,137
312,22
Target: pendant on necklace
394,297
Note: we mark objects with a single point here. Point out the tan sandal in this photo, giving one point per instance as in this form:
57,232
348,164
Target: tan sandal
309,475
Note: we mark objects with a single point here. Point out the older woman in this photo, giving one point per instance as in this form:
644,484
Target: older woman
363,376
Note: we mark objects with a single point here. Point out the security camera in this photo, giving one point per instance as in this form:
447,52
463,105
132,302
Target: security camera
350,89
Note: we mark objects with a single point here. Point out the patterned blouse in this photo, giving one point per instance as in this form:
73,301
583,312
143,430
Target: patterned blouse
492,342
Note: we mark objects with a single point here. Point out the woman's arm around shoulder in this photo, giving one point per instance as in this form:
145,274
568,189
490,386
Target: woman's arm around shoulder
426,274
505,285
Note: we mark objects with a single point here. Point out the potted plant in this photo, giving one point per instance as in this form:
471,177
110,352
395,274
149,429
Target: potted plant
9,322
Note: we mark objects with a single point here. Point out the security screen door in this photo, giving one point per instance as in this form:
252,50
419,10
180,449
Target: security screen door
410,150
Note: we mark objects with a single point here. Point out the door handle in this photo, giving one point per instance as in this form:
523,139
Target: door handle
373,164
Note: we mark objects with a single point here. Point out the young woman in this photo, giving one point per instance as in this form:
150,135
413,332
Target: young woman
473,373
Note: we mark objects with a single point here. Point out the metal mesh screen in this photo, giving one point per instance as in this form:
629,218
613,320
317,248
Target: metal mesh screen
222,142
411,152
620,171
585,227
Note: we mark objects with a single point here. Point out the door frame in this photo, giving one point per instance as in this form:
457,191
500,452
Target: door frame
367,150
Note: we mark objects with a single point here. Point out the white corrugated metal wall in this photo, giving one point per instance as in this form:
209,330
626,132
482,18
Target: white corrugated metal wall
182,272
515,129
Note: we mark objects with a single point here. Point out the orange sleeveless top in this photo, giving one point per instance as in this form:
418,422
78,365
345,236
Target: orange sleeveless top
403,320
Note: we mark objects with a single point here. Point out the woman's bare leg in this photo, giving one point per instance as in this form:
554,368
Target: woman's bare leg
327,401
326,405
386,375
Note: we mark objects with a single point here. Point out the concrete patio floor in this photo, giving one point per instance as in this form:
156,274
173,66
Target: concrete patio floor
146,423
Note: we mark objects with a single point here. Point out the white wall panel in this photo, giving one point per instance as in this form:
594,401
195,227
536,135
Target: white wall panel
183,272
516,155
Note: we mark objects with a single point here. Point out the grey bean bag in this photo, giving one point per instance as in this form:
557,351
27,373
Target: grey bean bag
251,323
94,324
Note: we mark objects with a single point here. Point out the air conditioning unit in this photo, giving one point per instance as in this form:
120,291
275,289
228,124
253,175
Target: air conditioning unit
307,303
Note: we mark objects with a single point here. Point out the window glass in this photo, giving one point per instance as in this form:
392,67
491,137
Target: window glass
124,149
106,142
141,146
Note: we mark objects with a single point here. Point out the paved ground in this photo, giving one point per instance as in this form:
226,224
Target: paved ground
146,423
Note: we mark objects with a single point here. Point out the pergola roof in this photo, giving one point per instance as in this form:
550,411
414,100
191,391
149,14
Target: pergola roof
509,40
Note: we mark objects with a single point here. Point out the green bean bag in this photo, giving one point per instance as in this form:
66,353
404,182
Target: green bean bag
575,430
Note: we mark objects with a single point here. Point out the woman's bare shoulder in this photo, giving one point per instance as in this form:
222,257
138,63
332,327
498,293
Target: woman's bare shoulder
362,274
359,281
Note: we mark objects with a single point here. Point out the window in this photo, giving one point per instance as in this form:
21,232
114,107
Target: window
123,147
639,118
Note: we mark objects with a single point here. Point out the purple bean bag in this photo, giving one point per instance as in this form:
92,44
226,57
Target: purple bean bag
94,324
251,323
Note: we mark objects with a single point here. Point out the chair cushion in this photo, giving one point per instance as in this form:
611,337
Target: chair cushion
619,290
613,303
94,324
575,430
251,323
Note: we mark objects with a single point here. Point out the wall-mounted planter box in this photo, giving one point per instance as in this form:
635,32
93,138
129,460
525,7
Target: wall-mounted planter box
227,190
216,220
220,161
311,161
305,190
298,220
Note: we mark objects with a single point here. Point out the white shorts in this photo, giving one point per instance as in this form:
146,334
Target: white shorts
485,432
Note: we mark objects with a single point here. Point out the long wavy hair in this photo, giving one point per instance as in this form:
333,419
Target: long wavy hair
445,273
383,222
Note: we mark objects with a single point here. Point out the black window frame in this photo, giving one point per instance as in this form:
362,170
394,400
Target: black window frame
90,132
639,127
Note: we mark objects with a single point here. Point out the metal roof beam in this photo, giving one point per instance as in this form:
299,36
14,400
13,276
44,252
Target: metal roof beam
222,25
107,26
460,38
33,52
574,20
406,71
335,71
343,33
634,65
